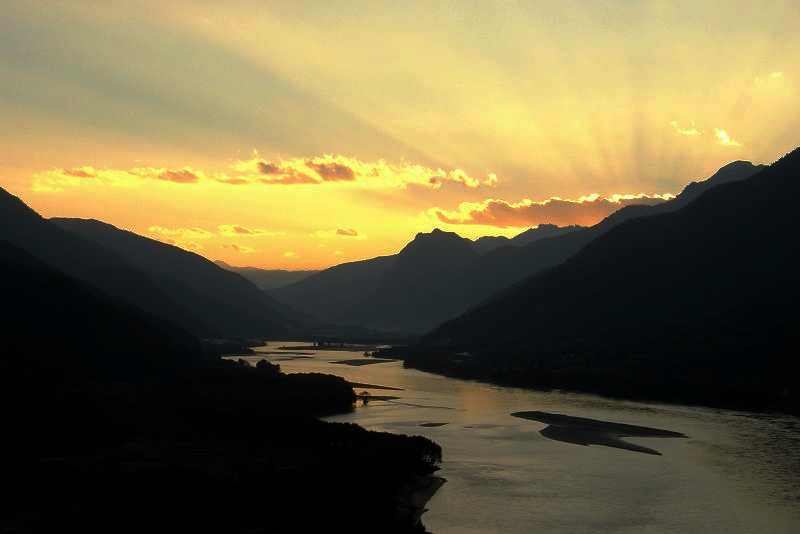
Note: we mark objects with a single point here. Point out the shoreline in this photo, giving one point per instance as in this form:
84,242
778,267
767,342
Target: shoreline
344,348
413,496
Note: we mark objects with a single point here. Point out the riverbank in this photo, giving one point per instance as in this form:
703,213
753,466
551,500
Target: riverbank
414,495
222,447
334,347
676,383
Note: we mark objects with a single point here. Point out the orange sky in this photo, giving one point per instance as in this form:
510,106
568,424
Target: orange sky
301,135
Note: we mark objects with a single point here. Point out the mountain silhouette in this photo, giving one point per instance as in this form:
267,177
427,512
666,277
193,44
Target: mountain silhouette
267,278
331,292
224,299
413,296
697,303
436,277
110,412
91,263
424,286
59,326
486,244
505,266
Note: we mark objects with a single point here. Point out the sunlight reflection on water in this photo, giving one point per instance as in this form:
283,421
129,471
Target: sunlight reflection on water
734,472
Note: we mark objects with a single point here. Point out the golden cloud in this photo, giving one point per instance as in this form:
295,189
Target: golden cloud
184,238
191,246
235,230
242,249
336,168
689,131
55,180
186,175
81,172
332,169
290,178
58,179
723,138
339,233
183,176
720,135
234,181
181,233
587,210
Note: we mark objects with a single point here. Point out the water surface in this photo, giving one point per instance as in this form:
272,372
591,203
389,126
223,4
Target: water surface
732,472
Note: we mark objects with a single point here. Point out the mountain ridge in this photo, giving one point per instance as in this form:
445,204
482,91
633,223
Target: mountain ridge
90,263
695,303
497,265
220,297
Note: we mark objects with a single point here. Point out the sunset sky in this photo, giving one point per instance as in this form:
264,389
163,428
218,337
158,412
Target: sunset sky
303,134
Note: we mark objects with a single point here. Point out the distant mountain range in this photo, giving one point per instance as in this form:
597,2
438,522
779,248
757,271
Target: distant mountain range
436,277
423,285
268,278
695,302
179,286
440,275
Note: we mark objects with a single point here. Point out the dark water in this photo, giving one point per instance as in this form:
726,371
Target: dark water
733,472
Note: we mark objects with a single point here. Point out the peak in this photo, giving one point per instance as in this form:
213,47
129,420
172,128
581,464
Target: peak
438,234
436,240
738,163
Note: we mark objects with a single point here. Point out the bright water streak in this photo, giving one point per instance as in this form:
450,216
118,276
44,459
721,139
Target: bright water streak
735,472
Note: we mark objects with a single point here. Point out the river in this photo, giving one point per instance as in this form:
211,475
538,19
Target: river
732,472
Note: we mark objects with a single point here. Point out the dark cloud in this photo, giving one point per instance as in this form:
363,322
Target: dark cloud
333,171
347,232
182,176
284,174
269,168
502,214
79,173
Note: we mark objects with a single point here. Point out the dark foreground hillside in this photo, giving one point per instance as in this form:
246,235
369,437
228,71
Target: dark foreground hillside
696,306
115,421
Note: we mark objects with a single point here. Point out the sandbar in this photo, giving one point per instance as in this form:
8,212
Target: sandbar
372,386
370,398
365,361
585,431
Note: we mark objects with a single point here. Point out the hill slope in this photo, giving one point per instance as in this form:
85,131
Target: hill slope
91,263
698,304
268,278
117,422
506,266
331,292
427,284
418,289
226,300
66,328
